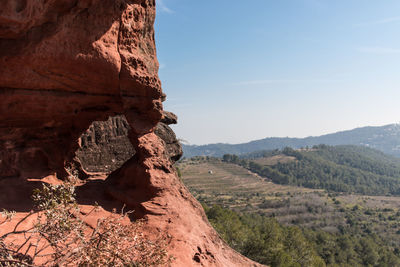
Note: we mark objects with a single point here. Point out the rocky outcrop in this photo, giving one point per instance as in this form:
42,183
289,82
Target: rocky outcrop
105,146
172,145
65,64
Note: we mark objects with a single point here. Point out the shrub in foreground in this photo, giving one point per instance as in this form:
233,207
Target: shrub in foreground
60,237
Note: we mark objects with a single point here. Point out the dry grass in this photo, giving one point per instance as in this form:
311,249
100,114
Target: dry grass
230,178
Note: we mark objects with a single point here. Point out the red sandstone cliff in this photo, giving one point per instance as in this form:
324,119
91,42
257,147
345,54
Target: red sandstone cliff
67,63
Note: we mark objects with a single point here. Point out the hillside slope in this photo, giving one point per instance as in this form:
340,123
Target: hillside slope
343,229
385,138
336,168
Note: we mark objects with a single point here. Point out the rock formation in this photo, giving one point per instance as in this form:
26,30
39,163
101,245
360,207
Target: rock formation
67,63
105,146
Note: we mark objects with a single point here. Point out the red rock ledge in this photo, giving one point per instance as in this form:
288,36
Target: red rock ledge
67,63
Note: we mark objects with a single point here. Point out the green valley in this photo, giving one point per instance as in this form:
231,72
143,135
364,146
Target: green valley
335,228
335,168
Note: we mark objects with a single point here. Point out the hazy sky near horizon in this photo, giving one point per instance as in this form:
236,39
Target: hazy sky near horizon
236,71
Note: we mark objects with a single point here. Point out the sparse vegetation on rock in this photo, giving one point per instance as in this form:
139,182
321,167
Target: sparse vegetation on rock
59,236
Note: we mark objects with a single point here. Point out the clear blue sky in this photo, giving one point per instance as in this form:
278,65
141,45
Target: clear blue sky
236,71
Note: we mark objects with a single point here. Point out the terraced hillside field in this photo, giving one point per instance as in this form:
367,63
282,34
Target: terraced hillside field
220,177
213,181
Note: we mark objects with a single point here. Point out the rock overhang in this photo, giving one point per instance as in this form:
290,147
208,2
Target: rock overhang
65,64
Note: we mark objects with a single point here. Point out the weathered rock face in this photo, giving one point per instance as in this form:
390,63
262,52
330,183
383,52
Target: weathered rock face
97,58
171,144
67,63
105,146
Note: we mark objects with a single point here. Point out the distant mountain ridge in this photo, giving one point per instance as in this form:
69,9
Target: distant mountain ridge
384,138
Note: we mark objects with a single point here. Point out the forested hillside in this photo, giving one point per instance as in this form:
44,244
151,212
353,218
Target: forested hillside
285,225
340,168
266,241
384,138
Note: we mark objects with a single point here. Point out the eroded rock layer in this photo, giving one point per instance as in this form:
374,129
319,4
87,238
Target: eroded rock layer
67,63
105,146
